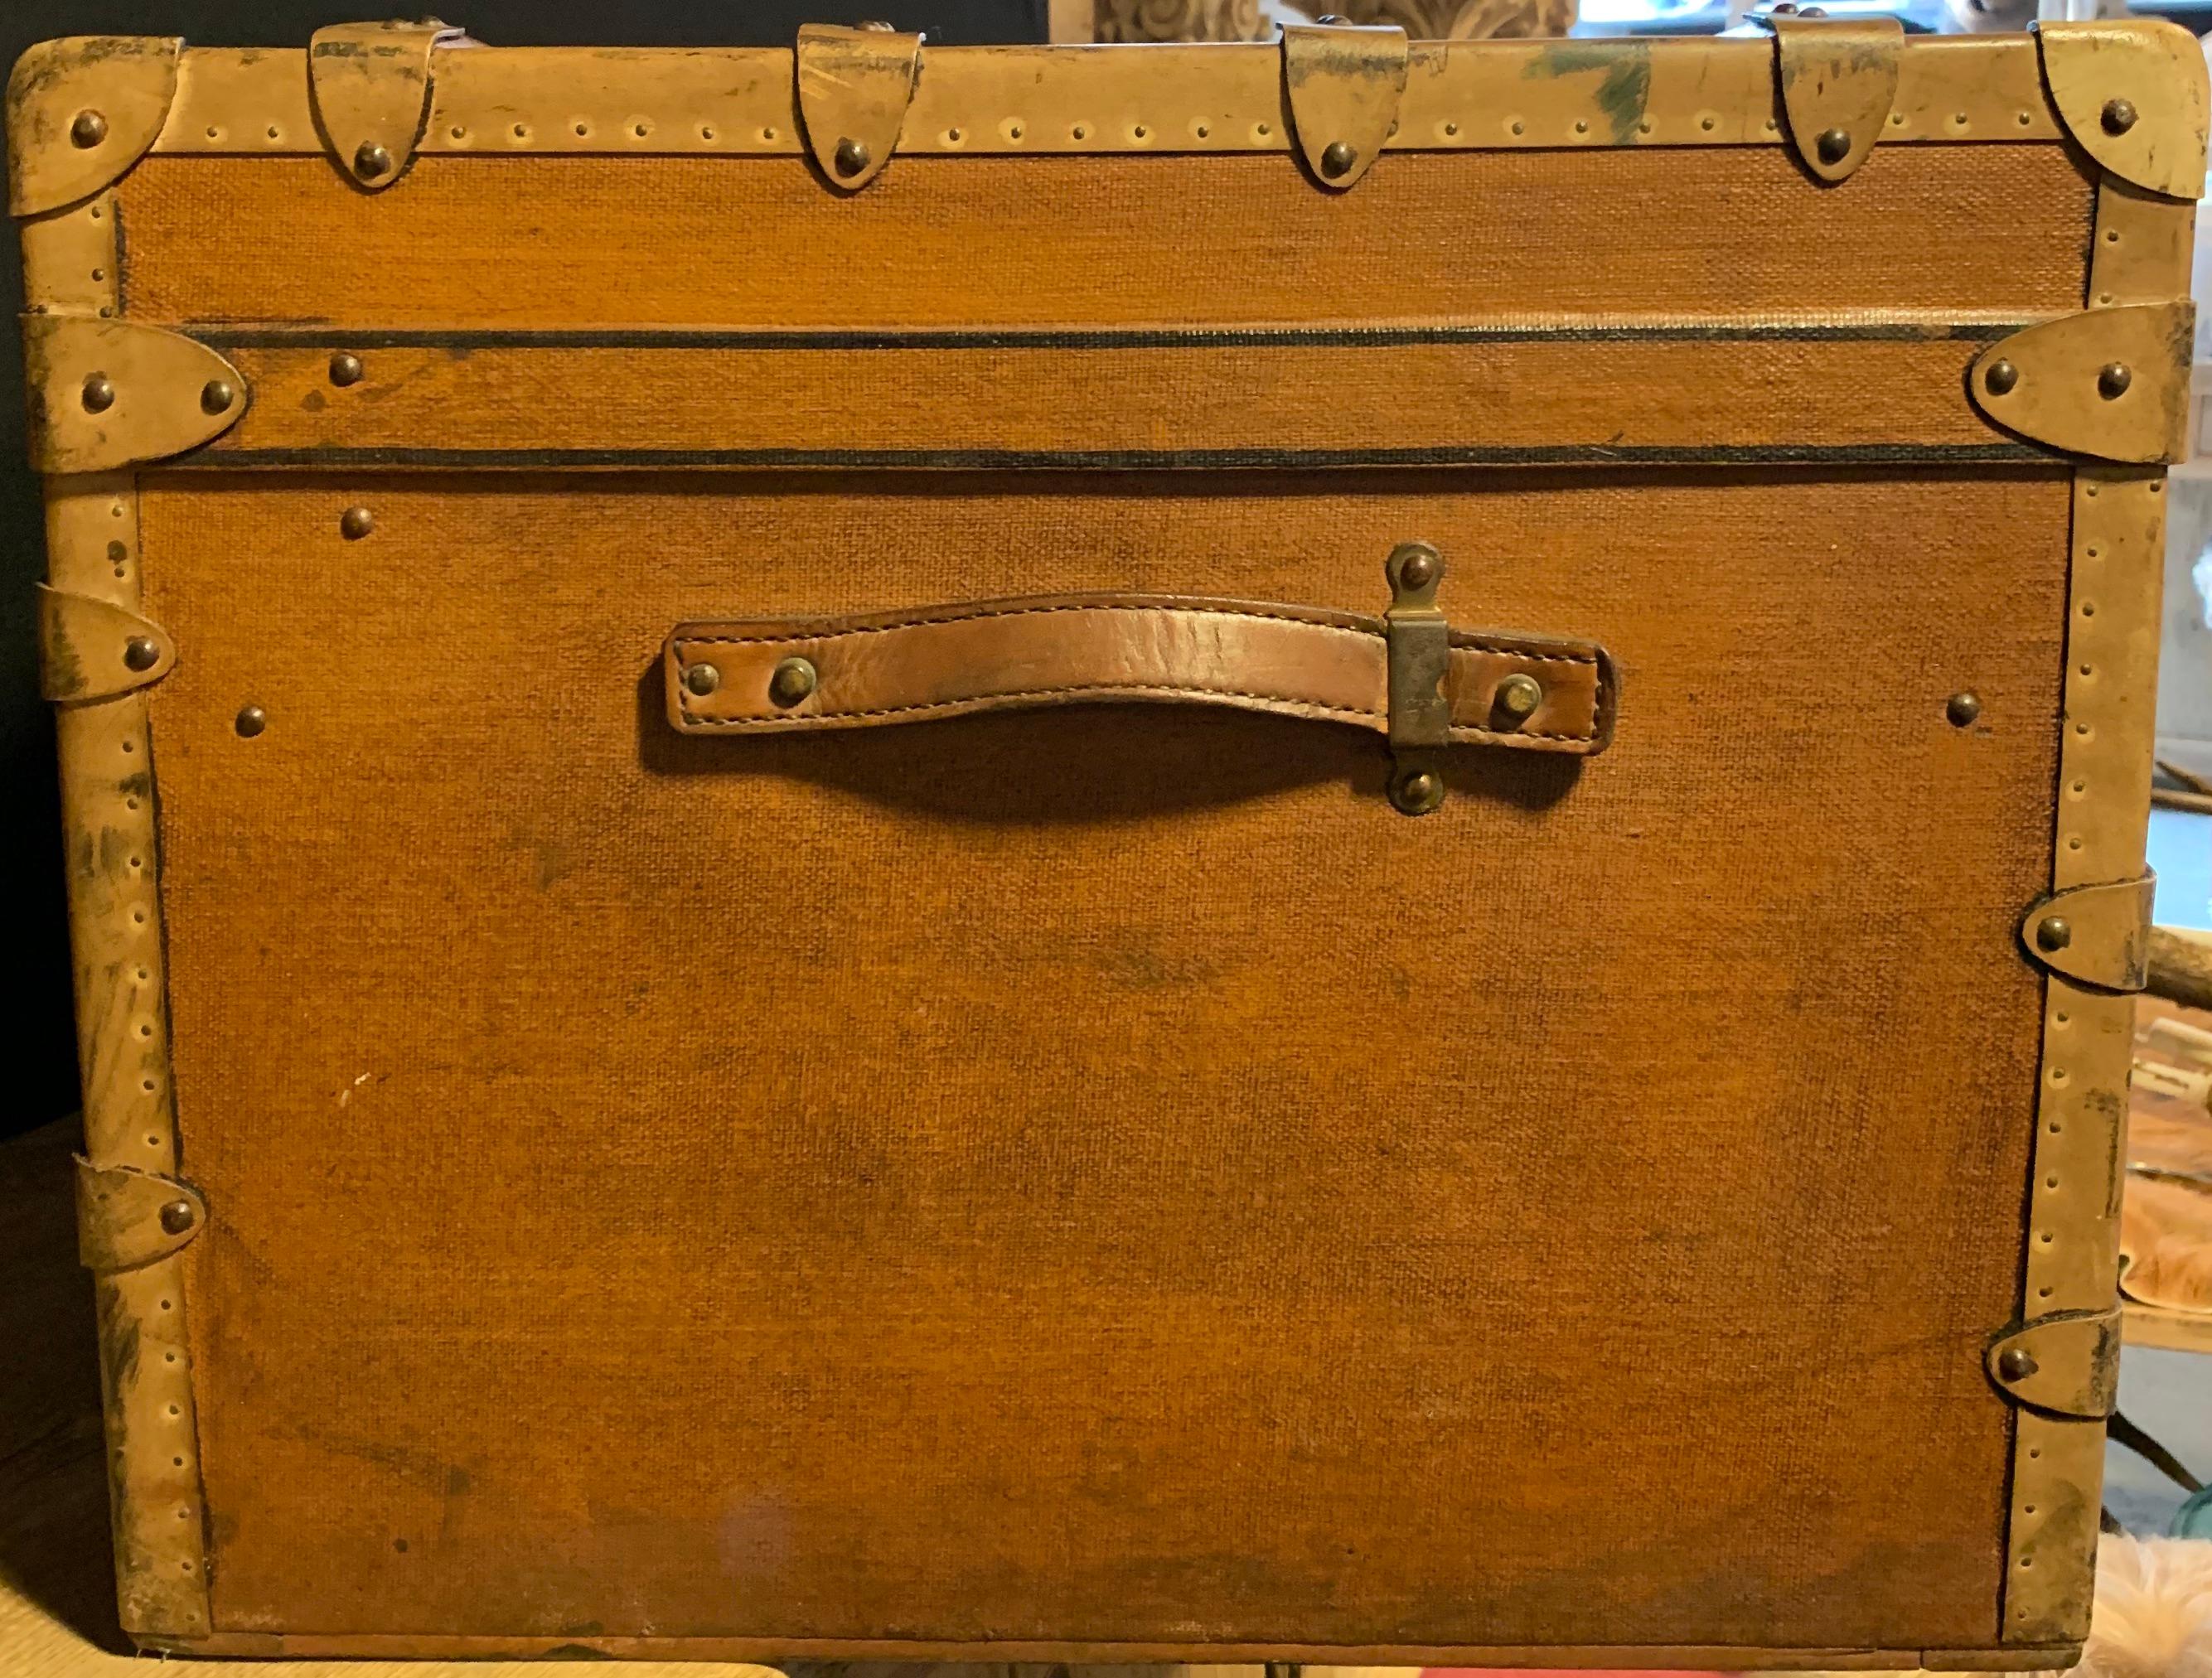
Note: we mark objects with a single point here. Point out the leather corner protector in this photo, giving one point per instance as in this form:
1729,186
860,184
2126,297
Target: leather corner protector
82,111
2109,383
370,85
1343,84
2095,935
854,86
110,393
2132,93
1838,80
91,648
2067,1364
127,1218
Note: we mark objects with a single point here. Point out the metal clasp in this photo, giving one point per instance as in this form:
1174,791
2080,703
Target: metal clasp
1418,647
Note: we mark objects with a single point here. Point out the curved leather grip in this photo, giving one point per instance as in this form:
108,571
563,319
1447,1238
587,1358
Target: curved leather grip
938,661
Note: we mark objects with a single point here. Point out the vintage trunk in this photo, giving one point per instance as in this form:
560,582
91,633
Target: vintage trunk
784,947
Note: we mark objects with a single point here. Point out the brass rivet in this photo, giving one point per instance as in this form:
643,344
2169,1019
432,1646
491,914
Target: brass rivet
1962,708
1416,792
89,129
703,679
850,157
2118,116
1833,146
251,722
99,394
1337,159
217,396
791,682
178,1216
2001,378
2014,1364
2113,379
1517,697
356,522
2052,934
1418,569
371,160
139,652
345,368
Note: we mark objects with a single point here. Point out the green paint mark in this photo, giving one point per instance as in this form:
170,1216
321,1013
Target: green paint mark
1626,88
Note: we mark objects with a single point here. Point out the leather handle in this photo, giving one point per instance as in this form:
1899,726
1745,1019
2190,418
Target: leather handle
864,671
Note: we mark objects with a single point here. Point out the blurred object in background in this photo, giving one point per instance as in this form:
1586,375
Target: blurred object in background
1179,19
1466,20
1986,17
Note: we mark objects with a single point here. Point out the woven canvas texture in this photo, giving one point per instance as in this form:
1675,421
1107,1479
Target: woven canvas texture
1101,1173
1995,230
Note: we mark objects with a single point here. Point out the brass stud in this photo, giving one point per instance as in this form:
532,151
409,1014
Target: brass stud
356,522
89,129
217,396
251,722
2113,379
1418,569
2118,116
1517,697
139,652
1337,159
99,394
791,682
178,1216
1416,792
371,160
1962,708
1833,146
345,368
703,679
2001,378
2052,934
850,157
2014,1364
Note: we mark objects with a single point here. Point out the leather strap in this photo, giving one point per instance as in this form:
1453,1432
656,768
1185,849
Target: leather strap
871,669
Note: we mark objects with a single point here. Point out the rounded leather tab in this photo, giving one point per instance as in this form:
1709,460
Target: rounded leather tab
1839,84
95,650
854,86
127,1218
1343,84
371,86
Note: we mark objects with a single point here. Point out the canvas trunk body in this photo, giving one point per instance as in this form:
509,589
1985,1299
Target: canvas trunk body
1321,851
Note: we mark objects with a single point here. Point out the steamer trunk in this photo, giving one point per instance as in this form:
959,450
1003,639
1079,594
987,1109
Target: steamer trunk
803,929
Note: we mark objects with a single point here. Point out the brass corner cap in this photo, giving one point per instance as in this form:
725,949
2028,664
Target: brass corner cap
2095,935
1838,80
2132,93
2111,383
370,86
109,393
127,1218
82,111
854,86
2067,1364
95,649
1343,82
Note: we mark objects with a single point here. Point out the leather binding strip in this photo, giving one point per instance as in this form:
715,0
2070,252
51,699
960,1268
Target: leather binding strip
1838,87
1021,101
117,965
893,667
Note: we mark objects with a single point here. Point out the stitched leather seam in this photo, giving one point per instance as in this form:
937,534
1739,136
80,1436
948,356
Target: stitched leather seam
1375,633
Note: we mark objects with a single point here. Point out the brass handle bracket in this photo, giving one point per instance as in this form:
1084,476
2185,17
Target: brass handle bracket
2096,935
1417,637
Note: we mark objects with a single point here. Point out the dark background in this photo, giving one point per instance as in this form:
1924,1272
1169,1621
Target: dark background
38,1046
